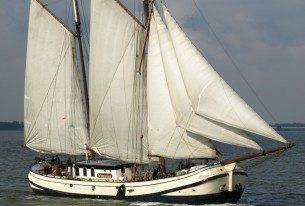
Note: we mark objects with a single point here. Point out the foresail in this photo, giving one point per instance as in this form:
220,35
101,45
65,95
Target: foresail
211,97
115,88
54,120
165,137
185,116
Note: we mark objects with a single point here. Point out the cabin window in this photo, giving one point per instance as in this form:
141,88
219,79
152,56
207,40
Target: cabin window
77,171
92,172
85,171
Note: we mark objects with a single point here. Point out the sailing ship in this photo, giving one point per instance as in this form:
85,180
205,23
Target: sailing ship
152,96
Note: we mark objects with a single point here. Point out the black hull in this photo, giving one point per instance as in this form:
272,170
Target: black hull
218,198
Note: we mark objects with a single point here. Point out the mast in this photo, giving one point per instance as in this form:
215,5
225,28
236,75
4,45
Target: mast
81,54
146,10
148,14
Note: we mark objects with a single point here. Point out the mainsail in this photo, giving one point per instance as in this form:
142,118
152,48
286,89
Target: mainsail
210,95
54,120
115,89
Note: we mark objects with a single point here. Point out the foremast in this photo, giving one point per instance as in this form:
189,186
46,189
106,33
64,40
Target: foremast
148,14
81,55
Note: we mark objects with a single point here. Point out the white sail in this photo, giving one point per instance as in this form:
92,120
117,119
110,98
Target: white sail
115,88
210,95
54,120
165,137
184,113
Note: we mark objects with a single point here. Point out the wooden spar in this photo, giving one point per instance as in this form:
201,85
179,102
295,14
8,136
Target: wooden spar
257,154
130,13
55,17
81,54
197,158
162,165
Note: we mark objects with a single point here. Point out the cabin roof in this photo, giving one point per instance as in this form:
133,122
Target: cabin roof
103,164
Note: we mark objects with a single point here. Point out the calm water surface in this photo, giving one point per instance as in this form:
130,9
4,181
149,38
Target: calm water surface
280,181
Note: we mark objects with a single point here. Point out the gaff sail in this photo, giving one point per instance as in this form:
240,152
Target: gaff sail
54,119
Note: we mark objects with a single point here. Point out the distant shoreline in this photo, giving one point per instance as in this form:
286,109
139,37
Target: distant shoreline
289,127
11,126
18,126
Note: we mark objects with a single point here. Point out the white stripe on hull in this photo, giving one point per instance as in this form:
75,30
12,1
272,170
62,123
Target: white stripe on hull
204,181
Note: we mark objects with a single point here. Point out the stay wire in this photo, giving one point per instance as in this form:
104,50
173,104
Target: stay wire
273,157
234,63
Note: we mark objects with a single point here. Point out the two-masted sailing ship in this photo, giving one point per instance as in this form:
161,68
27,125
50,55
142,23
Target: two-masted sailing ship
151,95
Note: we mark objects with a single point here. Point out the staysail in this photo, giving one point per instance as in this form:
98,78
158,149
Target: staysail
54,120
165,137
115,88
210,96
185,117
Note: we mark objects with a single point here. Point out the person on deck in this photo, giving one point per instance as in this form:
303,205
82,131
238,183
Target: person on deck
52,161
180,166
69,162
57,160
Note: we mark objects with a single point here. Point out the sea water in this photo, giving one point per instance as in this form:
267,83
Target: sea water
278,181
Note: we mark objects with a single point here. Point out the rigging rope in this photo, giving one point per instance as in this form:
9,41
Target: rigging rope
269,158
109,86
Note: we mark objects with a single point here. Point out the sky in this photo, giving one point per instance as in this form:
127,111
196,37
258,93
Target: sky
265,39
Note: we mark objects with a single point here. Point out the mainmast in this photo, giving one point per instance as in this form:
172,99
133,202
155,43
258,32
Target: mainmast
146,10
81,54
147,14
